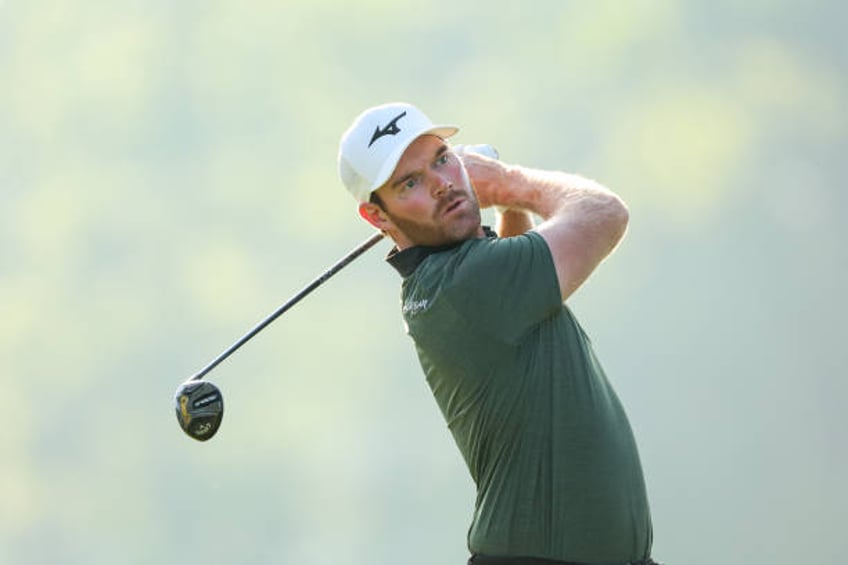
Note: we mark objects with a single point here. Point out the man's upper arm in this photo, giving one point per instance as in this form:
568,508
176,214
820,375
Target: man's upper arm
507,285
579,240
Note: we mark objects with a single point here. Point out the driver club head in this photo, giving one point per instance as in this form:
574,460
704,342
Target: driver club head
200,409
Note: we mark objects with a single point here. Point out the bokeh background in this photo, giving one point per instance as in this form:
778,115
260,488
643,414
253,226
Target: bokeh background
167,179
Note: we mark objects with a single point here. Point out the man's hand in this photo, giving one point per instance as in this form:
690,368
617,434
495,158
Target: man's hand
484,170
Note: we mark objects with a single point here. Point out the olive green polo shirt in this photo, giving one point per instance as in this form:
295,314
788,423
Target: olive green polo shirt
541,430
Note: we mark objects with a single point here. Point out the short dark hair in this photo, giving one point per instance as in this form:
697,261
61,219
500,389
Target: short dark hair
375,199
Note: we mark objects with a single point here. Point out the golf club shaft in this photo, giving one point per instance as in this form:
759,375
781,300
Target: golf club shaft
344,261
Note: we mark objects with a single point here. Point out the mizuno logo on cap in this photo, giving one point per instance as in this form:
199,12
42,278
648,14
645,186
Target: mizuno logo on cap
390,129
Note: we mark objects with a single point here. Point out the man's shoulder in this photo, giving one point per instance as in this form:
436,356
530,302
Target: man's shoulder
471,267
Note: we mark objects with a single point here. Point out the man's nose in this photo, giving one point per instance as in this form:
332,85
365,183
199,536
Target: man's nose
441,185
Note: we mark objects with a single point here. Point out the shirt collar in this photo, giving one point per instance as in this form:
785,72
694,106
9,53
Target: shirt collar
407,261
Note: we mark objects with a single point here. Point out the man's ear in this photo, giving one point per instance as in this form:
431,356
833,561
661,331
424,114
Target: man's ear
374,215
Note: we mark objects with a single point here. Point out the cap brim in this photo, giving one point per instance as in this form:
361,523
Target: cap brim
392,160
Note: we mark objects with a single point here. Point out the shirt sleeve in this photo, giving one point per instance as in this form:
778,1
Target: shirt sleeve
506,286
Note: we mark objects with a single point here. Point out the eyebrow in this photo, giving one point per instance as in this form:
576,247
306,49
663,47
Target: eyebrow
439,152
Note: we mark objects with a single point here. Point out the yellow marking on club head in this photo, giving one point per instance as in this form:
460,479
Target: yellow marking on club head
184,411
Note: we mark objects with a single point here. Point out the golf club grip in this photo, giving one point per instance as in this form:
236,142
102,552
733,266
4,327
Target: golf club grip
343,262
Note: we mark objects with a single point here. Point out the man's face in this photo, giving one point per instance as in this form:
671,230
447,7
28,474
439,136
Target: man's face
429,197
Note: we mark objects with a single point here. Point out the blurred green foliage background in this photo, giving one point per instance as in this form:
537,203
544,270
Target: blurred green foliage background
167,178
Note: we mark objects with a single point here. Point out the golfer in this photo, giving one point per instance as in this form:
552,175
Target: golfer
541,430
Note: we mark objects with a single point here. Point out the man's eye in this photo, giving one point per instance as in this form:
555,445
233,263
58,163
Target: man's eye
443,158
410,183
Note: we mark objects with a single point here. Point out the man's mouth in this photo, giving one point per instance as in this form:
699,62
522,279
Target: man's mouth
453,205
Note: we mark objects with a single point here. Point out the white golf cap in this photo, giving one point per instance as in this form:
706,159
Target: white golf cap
370,149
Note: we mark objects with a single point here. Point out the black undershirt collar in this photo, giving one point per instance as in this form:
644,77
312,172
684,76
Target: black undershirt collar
407,261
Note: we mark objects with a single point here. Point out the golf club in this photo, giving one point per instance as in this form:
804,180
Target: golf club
199,404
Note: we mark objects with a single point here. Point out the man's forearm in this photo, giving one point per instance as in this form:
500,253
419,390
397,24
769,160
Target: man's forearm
582,220
513,222
548,193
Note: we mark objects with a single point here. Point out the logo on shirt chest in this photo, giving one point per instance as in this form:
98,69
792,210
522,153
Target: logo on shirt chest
413,307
